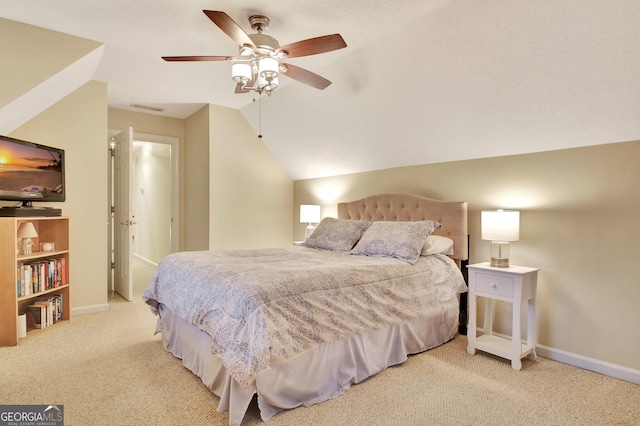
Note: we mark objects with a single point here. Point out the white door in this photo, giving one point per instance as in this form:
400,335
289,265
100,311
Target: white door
122,219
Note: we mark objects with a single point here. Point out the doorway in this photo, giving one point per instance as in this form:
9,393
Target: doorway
154,207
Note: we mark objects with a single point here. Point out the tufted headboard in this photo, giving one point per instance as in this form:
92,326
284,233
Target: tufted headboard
407,207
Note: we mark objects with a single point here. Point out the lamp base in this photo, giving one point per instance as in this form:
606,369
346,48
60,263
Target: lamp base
500,254
499,262
308,231
27,246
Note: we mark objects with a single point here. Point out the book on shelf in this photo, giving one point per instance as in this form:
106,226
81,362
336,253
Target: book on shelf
63,271
35,277
24,279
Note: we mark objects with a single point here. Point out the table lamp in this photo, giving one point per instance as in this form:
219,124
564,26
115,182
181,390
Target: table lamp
26,231
500,227
309,214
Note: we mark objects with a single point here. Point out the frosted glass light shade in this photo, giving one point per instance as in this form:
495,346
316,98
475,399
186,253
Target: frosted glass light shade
500,226
268,68
241,73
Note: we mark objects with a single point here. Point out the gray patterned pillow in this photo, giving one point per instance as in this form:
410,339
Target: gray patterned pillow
402,240
337,234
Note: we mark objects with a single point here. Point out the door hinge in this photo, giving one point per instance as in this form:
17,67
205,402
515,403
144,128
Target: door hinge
113,209
113,265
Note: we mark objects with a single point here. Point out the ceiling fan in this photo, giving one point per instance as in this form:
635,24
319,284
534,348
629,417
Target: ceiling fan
261,58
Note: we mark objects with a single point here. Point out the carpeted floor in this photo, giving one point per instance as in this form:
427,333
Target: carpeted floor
109,369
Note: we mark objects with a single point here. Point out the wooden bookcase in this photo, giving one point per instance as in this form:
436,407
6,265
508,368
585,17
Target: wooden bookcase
50,230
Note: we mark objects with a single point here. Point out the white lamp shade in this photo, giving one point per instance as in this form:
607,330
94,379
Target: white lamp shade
500,225
241,72
27,230
309,213
268,67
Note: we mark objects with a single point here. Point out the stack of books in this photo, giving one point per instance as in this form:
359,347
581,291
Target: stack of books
46,310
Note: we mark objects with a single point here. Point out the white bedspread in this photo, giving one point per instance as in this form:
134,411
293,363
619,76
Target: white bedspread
266,305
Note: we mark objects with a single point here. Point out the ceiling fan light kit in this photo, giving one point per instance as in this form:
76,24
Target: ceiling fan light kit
260,61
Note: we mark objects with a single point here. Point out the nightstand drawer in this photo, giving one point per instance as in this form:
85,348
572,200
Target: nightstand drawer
494,285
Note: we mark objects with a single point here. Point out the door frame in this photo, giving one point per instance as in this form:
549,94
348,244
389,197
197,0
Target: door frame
174,142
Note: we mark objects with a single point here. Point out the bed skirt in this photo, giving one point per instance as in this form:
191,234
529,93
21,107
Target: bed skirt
306,379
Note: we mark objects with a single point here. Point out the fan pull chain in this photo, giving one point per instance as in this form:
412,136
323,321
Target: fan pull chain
259,114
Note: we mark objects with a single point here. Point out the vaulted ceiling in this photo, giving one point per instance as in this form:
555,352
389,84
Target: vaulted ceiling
421,81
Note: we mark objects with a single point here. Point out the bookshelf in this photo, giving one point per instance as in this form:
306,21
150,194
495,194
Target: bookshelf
52,277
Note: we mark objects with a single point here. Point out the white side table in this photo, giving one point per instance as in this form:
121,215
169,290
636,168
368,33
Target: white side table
515,285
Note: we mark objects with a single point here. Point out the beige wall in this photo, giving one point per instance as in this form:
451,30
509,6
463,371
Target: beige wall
579,224
251,195
78,124
197,185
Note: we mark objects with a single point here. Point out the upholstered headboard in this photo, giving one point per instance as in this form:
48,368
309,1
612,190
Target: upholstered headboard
407,207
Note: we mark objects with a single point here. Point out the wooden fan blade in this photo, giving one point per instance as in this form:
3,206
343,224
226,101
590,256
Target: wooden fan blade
306,77
195,58
313,46
229,27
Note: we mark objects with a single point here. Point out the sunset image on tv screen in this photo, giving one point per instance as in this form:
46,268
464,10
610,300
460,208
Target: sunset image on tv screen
29,169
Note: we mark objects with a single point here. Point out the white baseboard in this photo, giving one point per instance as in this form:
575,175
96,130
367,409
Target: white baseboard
608,369
145,260
93,309
581,361
596,365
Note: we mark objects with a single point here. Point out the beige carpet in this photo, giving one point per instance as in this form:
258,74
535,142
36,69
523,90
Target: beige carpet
109,369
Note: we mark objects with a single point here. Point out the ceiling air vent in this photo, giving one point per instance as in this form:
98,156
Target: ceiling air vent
147,107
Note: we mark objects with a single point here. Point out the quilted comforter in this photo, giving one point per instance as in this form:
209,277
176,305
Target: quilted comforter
267,305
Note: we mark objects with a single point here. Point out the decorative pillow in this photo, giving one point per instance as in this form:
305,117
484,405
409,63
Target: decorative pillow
337,234
437,244
402,240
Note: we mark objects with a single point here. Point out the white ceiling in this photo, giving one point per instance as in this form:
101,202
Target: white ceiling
421,81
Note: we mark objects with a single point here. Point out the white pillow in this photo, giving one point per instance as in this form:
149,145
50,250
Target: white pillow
437,244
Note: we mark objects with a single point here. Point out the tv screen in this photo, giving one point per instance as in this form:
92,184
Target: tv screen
30,172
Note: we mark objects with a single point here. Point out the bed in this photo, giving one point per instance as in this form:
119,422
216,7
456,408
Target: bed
300,325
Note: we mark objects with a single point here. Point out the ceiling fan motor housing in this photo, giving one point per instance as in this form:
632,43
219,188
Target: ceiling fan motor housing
264,43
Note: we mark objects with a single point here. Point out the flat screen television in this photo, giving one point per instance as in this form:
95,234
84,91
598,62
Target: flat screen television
30,172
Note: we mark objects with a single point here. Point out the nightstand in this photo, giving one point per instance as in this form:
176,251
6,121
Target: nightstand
515,284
